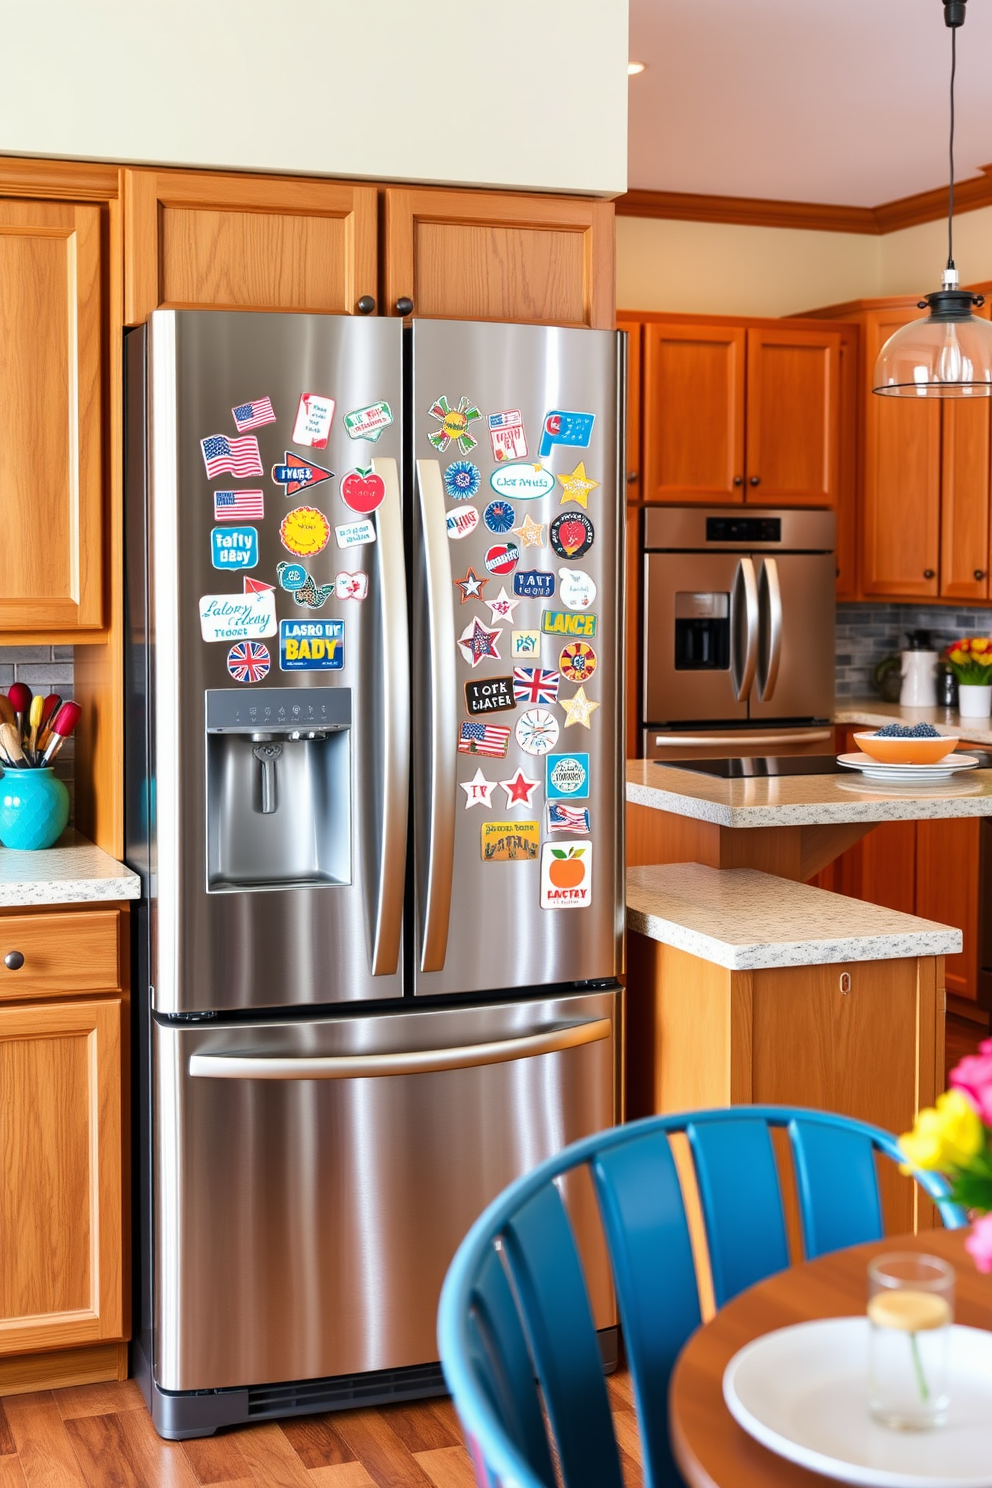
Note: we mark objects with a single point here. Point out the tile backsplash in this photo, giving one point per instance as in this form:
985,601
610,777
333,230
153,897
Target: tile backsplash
45,669
868,632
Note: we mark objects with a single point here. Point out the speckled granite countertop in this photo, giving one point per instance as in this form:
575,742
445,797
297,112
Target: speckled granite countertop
72,872
744,920
875,712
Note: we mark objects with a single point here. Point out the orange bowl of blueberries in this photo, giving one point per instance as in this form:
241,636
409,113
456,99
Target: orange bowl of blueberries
902,744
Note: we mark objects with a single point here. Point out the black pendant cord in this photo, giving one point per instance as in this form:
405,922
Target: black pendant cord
950,197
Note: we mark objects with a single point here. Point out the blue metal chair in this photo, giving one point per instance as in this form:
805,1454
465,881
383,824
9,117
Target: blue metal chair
516,1334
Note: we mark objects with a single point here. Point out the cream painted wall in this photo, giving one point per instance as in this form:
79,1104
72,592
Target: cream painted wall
912,260
529,94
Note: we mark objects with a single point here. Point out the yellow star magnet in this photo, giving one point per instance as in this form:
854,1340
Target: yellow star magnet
578,709
577,486
530,533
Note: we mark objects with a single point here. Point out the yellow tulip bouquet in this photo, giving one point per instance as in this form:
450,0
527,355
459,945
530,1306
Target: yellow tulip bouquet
971,660
955,1138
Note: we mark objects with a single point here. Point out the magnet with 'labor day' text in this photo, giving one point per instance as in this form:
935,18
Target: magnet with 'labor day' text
311,645
566,875
313,420
493,695
510,841
237,617
248,661
234,547
297,474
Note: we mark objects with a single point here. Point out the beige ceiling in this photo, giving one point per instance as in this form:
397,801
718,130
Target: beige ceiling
840,101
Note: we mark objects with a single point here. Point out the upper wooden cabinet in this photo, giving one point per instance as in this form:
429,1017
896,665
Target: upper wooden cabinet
742,413
482,255
53,283
203,241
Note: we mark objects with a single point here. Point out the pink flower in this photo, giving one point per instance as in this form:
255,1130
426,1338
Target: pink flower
979,1243
974,1076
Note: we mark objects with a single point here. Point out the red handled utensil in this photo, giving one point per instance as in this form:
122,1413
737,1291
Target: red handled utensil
62,726
20,696
50,707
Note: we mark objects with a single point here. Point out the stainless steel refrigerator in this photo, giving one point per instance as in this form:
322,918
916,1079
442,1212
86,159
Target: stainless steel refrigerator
374,775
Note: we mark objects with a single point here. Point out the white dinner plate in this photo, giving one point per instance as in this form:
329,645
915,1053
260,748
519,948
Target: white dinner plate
803,1393
942,769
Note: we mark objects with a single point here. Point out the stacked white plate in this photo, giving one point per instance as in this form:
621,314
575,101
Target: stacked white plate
943,769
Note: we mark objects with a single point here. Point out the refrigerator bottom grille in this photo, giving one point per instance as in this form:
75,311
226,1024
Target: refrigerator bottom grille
346,1390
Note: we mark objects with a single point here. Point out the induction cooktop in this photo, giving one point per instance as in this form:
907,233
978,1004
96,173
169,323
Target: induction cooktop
760,766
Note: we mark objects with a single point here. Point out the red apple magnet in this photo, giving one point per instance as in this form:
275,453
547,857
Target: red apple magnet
362,490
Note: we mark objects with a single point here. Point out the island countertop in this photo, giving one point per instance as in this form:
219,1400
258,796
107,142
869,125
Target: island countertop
75,871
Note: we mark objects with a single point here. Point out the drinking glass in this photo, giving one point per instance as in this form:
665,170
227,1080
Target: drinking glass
910,1312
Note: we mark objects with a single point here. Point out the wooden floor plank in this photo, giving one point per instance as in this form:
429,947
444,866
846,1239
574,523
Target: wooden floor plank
271,1457
100,1452
448,1467
376,1445
8,1447
315,1441
44,1448
217,1459
341,1475
98,1400
155,1463
11,1475
420,1428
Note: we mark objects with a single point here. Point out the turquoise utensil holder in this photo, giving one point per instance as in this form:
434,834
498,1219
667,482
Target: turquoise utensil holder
34,809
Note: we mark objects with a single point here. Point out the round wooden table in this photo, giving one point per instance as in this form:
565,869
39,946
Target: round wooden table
710,1448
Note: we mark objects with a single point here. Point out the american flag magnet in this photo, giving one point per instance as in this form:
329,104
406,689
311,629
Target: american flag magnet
254,414
237,457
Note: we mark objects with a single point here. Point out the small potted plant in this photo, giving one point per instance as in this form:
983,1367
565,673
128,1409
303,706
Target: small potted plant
971,662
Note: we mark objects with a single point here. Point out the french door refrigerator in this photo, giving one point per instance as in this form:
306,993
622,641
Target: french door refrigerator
374,774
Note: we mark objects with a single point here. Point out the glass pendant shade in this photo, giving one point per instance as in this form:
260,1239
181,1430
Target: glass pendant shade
946,355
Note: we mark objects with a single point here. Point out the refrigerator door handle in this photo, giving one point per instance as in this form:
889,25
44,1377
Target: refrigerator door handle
396,723
746,591
771,596
443,715
414,1062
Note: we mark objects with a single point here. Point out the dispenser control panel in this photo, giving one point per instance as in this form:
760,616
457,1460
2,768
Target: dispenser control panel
231,708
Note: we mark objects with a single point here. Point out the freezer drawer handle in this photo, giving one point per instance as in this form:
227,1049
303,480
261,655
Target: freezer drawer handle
789,736
417,1062
395,724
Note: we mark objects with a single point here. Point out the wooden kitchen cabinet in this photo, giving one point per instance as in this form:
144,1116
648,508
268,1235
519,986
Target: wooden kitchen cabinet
792,442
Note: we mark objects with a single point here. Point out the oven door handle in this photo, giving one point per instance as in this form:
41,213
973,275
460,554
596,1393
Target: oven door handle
415,1062
771,599
785,736
746,594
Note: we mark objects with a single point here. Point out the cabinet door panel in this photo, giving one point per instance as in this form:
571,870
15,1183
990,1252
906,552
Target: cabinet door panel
215,242
902,482
847,468
964,499
693,413
60,1175
947,891
477,255
793,416
51,416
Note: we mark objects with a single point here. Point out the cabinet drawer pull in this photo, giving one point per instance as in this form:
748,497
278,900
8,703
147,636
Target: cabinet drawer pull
979,573
404,305
928,573
738,480
755,480
13,960
366,305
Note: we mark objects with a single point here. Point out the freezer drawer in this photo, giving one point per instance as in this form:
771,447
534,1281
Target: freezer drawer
313,1179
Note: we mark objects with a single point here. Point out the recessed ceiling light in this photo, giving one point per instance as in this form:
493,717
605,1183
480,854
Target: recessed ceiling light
635,67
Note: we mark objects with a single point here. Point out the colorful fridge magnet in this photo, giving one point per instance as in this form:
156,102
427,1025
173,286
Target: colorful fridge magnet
510,842
239,506
355,534
254,414
577,662
237,457
522,482
524,643
305,592
476,643
368,423
291,576
248,661
237,617
489,739
471,585
298,474
478,791
454,425
462,480
564,623
572,534
304,531
578,709
576,588
499,516
564,427
568,776
566,875
461,521
533,584
502,607
313,420
564,818
506,435
530,533
519,789
493,695
577,486
311,645
502,558
234,547
535,685
351,585
537,731
362,490
256,586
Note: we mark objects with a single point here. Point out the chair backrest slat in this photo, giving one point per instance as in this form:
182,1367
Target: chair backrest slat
742,1204
837,1185
547,1277
657,1296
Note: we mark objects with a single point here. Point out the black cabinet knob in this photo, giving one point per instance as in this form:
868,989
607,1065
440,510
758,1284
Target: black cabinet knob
366,305
738,480
13,960
755,480
979,573
632,477
928,573
404,306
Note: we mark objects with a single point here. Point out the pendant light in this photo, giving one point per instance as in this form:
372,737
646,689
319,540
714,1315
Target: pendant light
949,354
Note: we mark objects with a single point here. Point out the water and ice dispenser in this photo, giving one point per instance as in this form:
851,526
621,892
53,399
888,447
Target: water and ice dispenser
278,788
